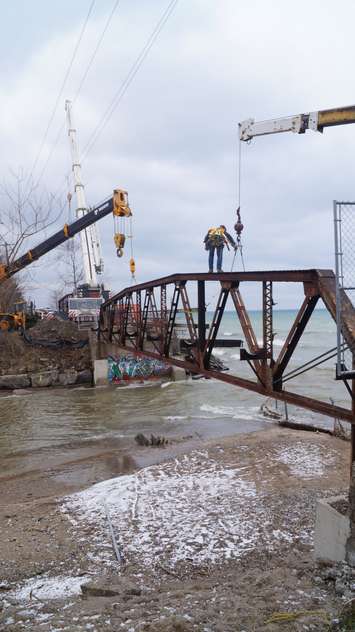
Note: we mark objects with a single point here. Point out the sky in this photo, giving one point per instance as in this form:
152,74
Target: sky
172,140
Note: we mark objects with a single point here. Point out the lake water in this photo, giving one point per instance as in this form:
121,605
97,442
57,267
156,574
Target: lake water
39,424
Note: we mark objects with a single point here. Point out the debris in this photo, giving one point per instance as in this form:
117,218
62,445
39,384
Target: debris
155,441
114,541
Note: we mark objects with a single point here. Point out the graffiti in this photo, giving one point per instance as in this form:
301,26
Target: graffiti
129,367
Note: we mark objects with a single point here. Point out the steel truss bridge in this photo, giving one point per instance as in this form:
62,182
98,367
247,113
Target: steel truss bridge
143,318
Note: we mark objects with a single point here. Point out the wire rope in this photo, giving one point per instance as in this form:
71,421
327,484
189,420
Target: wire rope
82,81
238,196
97,47
239,167
66,76
129,77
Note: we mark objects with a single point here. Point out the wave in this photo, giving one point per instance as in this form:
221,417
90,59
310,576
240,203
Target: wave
219,352
278,342
144,384
175,417
231,411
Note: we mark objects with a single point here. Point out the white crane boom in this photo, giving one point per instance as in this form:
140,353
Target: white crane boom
90,242
297,124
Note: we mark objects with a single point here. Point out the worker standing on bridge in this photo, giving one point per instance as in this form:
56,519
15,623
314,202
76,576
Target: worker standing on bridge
215,240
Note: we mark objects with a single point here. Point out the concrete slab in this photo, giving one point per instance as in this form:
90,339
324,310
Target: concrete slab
101,372
178,373
331,532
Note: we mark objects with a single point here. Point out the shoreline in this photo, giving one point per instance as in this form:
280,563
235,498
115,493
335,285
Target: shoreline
40,541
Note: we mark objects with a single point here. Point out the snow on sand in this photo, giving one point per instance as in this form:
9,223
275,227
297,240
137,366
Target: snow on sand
194,509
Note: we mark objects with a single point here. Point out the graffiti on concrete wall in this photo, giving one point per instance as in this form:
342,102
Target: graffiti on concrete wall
130,367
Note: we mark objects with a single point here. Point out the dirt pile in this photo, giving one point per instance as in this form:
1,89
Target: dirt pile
19,357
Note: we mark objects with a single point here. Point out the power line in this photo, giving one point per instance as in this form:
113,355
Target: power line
61,89
82,81
108,21
129,77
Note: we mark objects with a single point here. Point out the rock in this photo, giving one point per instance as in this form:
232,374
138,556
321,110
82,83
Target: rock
105,588
94,590
84,377
340,587
141,439
68,377
47,378
15,381
330,573
134,592
155,441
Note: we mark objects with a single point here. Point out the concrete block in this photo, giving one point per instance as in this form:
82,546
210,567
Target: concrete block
178,373
101,372
331,532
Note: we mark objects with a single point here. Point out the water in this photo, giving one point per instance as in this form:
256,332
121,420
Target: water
40,426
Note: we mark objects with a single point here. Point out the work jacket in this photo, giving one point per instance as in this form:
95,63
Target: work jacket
216,239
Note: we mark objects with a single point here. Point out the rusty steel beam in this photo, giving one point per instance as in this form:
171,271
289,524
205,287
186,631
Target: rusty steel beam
172,318
268,334
246,326
201,324
293,338
216,321
188,314
302,401
282,276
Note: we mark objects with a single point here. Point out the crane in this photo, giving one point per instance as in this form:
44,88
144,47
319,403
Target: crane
117,205
297,124
90,242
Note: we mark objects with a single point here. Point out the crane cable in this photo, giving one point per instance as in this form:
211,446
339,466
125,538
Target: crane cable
239,225
132,263
129,77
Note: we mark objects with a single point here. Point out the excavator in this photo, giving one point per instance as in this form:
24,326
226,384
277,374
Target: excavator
15,319
117,205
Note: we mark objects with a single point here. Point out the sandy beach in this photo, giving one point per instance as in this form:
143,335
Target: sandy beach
213,536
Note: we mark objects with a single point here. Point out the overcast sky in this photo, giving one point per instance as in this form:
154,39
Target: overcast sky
172,140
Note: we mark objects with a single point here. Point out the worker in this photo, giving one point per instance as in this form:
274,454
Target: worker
215,240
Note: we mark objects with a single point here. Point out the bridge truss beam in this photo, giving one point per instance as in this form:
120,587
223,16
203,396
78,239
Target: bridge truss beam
132,320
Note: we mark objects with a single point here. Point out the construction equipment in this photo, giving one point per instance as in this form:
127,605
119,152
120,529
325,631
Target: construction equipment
111,205
10,322
297,124
90,242
20,310
121,213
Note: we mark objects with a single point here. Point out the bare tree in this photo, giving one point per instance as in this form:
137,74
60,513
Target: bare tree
10,293
70,254
24,213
